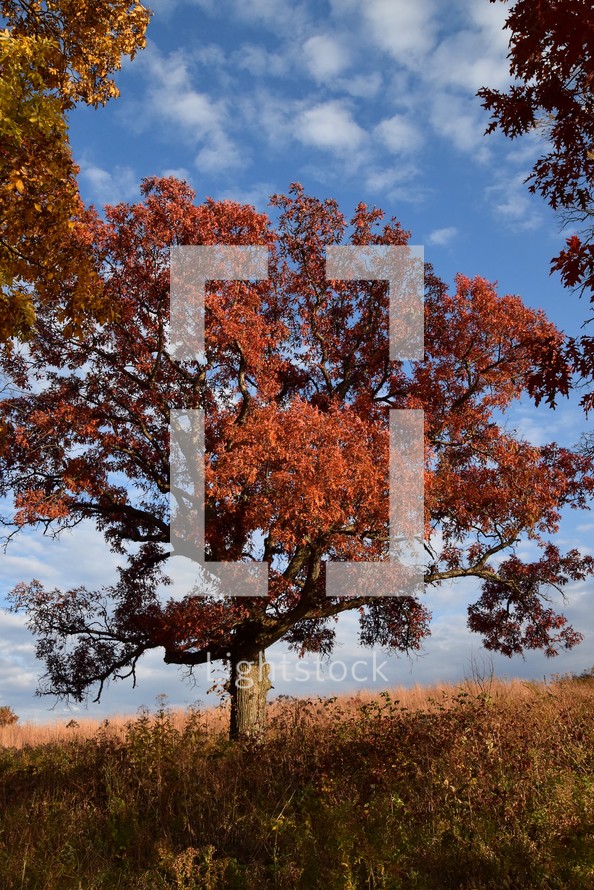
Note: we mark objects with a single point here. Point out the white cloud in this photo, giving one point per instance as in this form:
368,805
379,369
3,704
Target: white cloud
218,154
515,207
329,125
512,203
172,96
473,53
439,64
166,8
541,425
177,172
442,237
526,150
281,16
405,30
339,7
211,55
398,183
258,195
457,119
361,86
79,557
259,62
269,116
190,109
56,562
208,6
325,57
198,117
490,19
109,187
468,61
399,134
446,654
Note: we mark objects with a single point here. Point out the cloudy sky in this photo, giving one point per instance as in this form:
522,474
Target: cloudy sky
359,100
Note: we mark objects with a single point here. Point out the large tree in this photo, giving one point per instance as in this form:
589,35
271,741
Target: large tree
551,56
296,384
53,54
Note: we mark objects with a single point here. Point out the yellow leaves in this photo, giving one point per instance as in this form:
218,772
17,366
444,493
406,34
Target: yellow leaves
51,56
88,41
17,314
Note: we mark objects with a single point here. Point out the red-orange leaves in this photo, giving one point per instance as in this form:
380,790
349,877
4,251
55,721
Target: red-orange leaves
305,473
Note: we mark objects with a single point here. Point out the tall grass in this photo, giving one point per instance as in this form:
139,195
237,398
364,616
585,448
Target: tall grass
485,785
216,719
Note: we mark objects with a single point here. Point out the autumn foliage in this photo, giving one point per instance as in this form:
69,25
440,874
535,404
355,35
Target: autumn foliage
552,62
296,384
7,716
551,55
52,56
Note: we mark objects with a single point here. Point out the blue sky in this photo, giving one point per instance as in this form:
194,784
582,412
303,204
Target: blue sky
359,100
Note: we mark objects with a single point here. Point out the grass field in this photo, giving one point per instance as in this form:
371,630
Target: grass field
485,785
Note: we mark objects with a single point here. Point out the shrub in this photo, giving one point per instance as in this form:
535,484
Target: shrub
7,716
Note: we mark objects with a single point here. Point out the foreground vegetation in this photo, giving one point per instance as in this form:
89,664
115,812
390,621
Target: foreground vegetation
480,786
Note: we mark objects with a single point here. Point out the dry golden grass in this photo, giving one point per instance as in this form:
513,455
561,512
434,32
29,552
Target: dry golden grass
21,735
480,786
215,719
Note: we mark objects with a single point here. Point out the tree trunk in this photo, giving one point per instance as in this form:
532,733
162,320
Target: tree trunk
248,687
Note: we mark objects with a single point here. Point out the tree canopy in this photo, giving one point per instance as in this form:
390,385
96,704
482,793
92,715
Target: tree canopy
551,55
296,384
52,55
